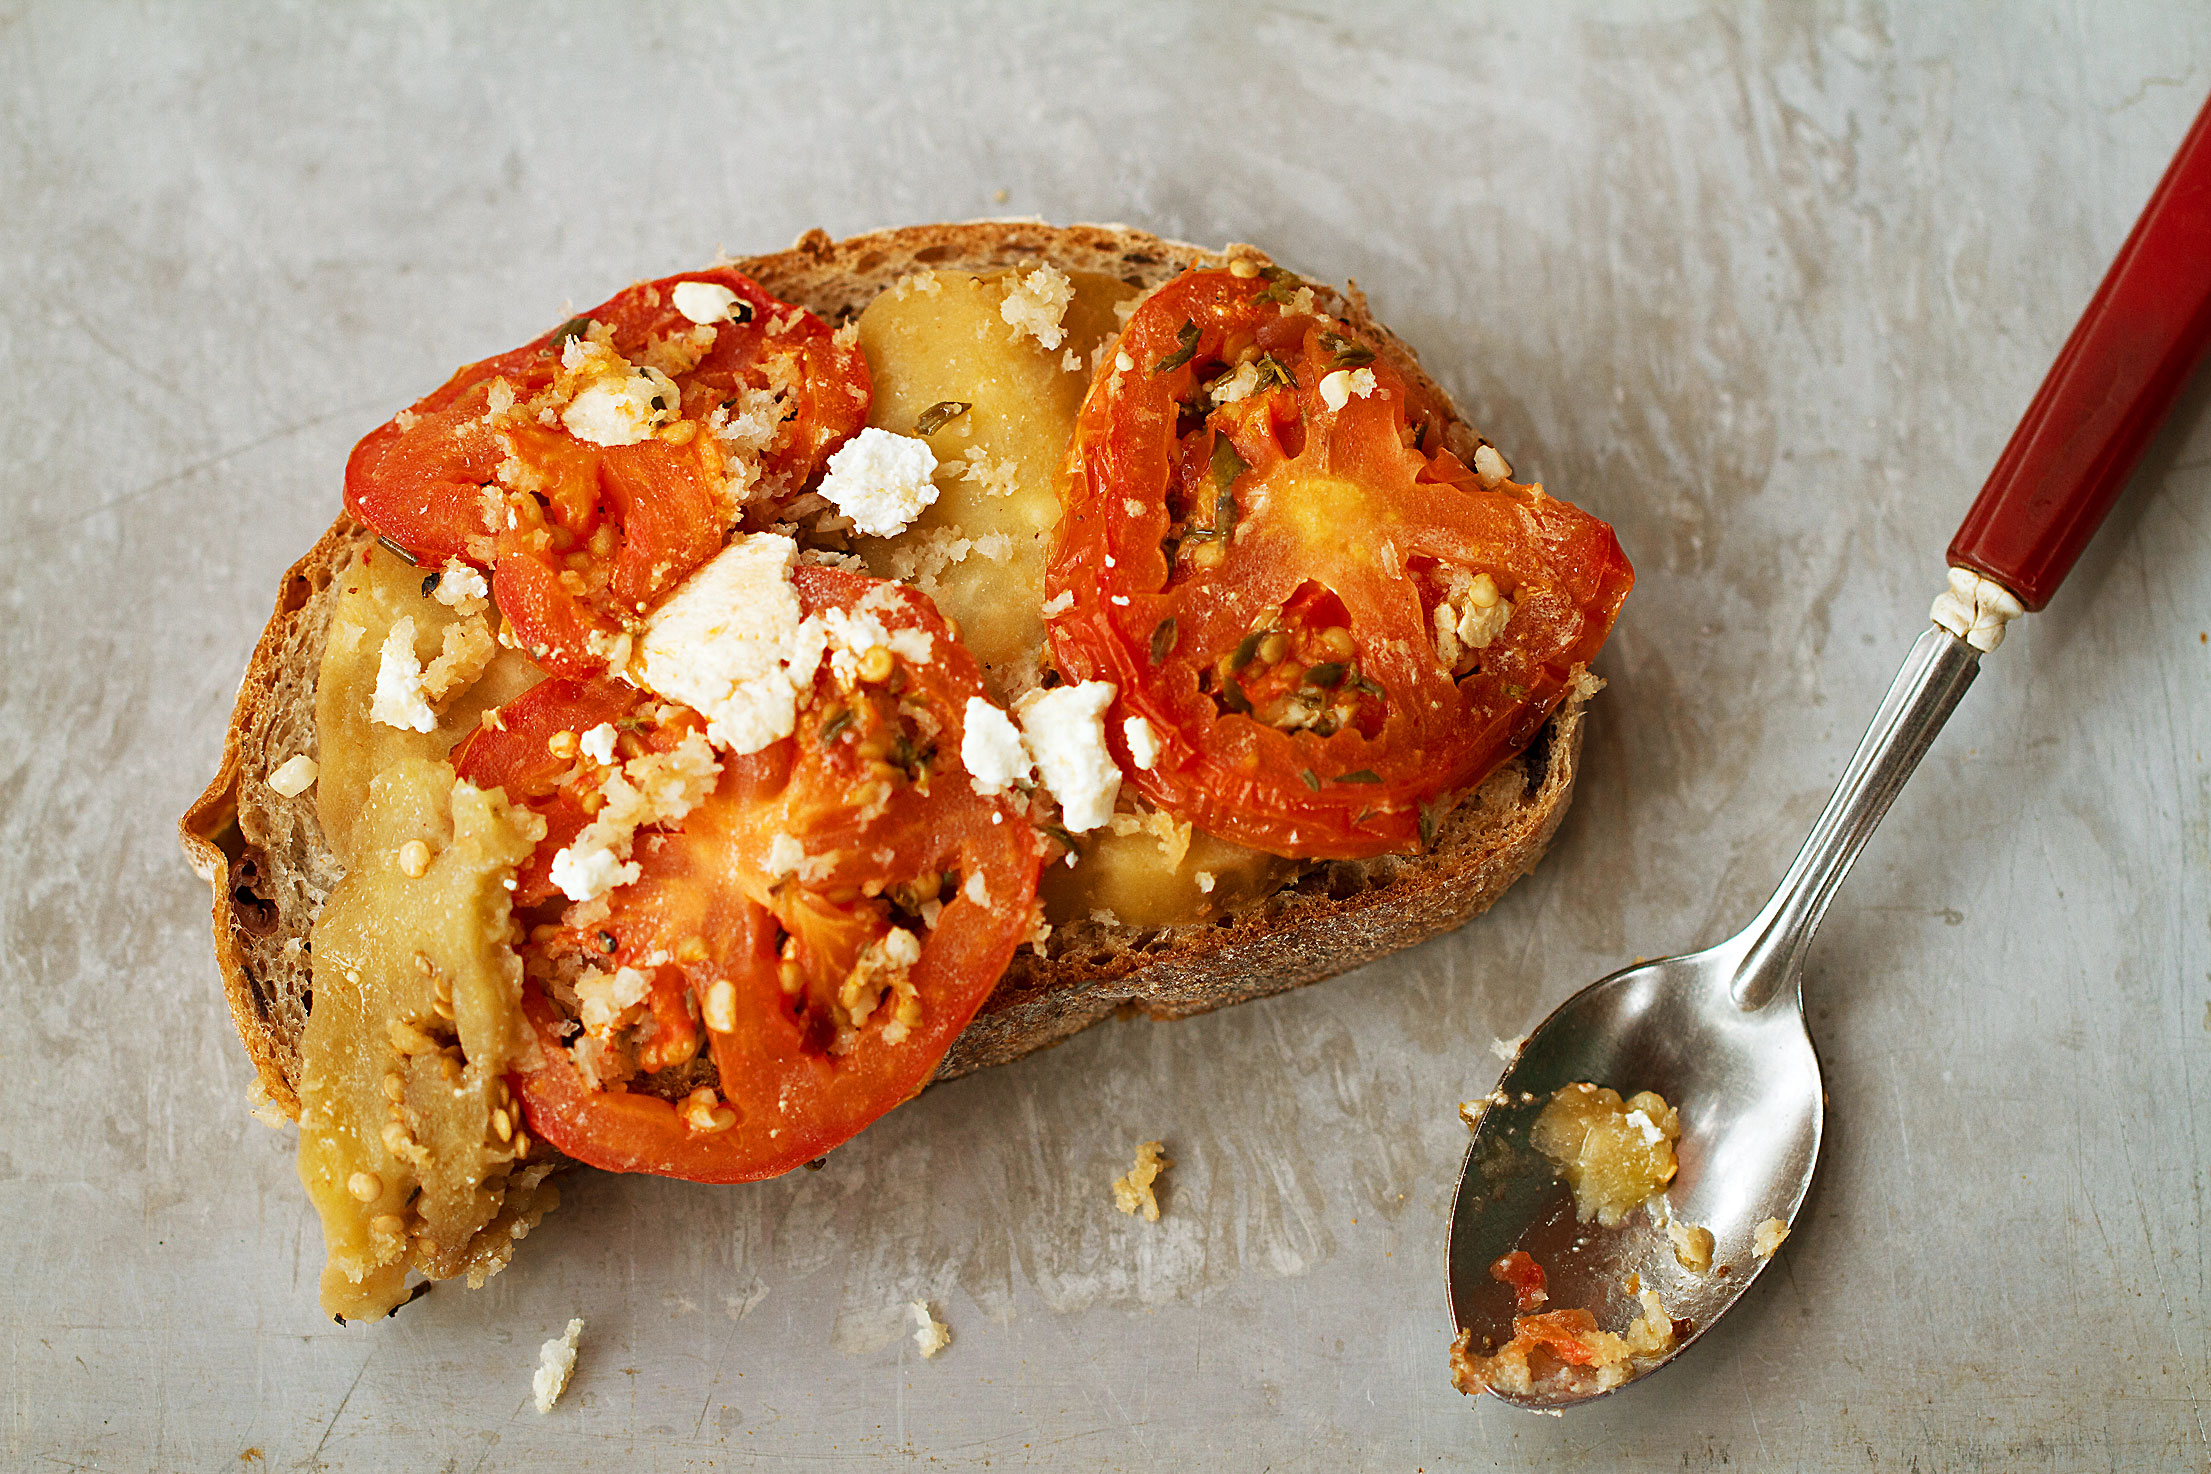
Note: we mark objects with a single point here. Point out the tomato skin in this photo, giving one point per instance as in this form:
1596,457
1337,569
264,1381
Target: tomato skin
706,911
430,478
1319,494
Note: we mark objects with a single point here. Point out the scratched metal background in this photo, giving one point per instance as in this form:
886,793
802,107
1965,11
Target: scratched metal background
1765,288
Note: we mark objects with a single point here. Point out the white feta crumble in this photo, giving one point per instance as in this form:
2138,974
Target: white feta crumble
656,788
730,644
881,480
991,748
785,855
1205,880
555,1360
703,301
1490,466
1036,303
1642,1122
1059,604
1143,743
1508,1050
611,400
1341,387
462,589
930,1334
294,776
1065,727
399,700
598,743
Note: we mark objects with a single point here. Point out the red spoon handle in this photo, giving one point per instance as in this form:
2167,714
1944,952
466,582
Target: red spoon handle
2110,389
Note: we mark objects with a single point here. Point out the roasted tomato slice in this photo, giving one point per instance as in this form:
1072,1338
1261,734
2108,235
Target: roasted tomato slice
823,924
531,748
1330,622
592,469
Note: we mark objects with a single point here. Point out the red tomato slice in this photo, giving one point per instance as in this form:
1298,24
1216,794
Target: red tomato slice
770,963
1259,572
579,537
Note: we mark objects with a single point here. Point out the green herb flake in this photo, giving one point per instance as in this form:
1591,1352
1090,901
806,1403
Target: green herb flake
1349,352
398,552
1224,513
1363,775
1327,675
1273,373
1281,290
1227,464
1186,340
1246,648
575,327
940,414
1431,817
1312,779
606,942
1065,840
1516,691
1163,641
429,582
1233,697
1372,688
836,723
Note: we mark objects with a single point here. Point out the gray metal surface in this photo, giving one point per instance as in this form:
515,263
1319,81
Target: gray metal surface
1766,289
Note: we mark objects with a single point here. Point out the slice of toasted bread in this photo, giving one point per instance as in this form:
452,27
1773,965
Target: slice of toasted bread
271,870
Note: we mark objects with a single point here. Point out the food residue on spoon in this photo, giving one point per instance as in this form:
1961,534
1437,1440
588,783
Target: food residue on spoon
1612,1153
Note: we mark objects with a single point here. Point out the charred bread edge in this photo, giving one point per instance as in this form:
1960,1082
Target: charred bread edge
1337,915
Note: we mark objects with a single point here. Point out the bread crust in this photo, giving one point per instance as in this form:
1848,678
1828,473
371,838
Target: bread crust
265,859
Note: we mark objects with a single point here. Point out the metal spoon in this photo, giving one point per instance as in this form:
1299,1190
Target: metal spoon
1721,1033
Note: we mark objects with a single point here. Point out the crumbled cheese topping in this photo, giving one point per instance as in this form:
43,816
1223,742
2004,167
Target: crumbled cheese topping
462,589
1470,619
991,748
785,855
881,480
930,1334
849,634
1205,881
1341,387
1143,743
1134,1191
730,644
1036,303
598,743
1065,727
612,401
399,700
464,654
606,998
703,301
655,788
294,776
556,1360
1490,466
1059,604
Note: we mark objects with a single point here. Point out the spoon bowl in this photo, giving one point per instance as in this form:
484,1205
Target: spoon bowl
1747,1085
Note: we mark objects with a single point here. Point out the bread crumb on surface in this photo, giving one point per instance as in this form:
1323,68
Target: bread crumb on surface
1508,1049
556,1359
1135,1191
1472,1111
930,1334
1766,1238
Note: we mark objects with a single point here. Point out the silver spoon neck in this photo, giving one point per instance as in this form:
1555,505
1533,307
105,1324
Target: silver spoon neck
1772,948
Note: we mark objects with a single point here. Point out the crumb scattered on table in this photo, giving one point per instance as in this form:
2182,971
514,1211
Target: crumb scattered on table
1766,1238
556,1359
1134,1191
1692,1246
930,1334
